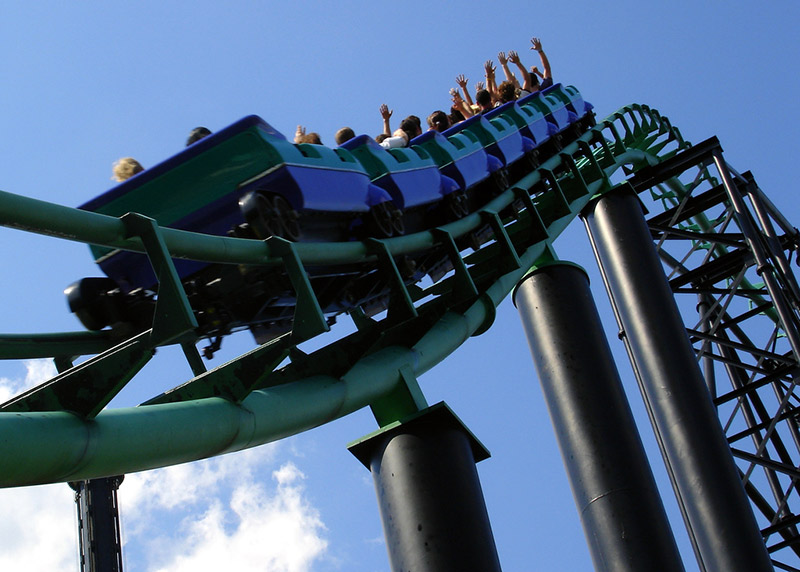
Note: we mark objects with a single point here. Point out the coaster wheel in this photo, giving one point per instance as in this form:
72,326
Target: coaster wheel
269,214
456,205
90,301
398,225
289,217
500,180
382,220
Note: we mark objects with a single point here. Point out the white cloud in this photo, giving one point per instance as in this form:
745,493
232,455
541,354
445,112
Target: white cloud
38,528
36,372
220,513
223,515
188,484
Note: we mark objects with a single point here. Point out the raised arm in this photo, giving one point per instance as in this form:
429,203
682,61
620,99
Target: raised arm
462,83
537,45
386,114
513,57
491,86
501,57
460,104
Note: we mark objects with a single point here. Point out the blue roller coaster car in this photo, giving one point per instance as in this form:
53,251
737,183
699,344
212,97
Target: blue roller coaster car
249,181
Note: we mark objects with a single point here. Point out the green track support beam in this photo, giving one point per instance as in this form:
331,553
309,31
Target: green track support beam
509,252
173,315
85,389
232,381
400,304
406,399
463,286
308,318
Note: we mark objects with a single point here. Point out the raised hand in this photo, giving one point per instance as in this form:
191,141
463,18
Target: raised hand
386,113
489,67
501,57
537,44
479,86
461,81
513,57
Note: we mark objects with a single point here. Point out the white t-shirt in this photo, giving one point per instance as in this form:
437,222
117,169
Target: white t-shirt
394,142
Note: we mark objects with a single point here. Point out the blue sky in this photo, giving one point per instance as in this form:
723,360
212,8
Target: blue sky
85,84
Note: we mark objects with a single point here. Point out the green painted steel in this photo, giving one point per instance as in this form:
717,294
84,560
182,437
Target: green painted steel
230,408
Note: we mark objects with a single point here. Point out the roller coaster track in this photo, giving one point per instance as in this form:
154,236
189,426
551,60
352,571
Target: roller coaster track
725,248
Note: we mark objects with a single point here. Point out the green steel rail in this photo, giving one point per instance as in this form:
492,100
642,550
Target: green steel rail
61,430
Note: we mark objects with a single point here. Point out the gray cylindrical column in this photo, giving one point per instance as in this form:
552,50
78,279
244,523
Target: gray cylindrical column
431,504
617,498
718,514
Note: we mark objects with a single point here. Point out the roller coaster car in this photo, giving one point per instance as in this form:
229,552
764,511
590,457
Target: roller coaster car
554,109
246,180
462,158
531,122
249,181
410,176
499,136
572,97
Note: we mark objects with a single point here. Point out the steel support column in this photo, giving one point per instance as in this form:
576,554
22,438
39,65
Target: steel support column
99,536
430,498
707,484
617,498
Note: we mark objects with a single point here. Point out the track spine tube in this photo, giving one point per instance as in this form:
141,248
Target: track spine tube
721,524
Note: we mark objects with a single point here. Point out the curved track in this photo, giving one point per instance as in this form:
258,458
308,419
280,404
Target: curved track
62,431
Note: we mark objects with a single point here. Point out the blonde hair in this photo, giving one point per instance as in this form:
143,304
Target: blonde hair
125,168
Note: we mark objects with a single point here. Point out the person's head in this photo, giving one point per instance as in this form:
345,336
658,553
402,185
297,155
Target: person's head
197,134
400,132
410,128
381,137
484,99
507,91
438,121
417,126
344,134
125,168
535,86
312,138
455,115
